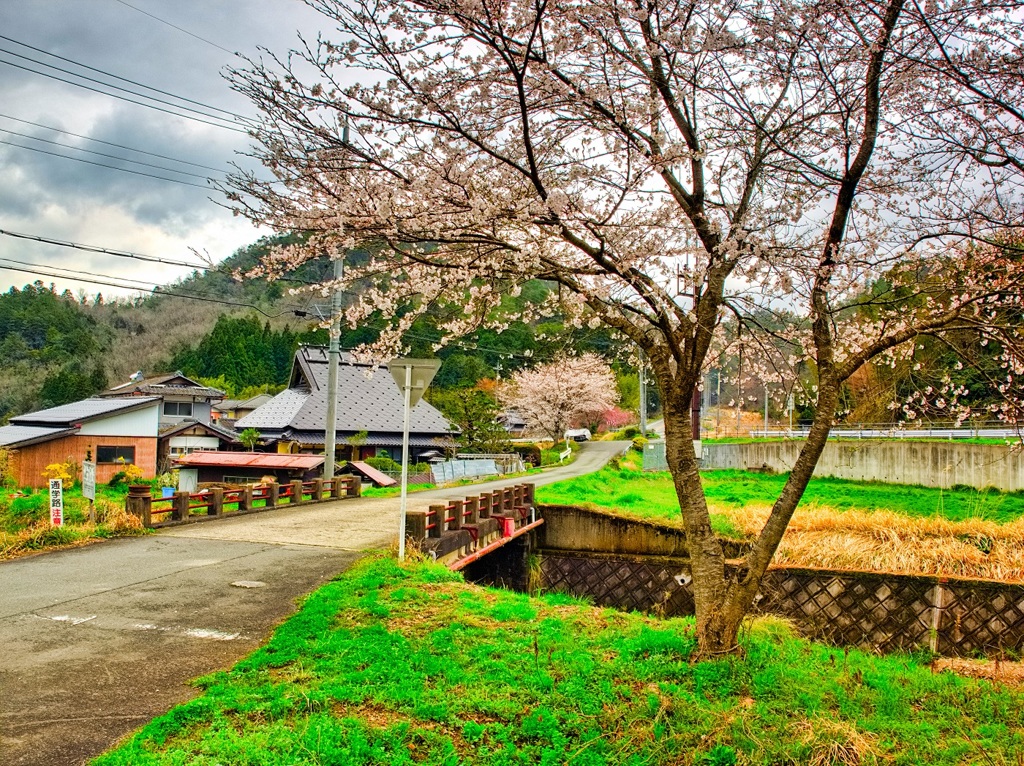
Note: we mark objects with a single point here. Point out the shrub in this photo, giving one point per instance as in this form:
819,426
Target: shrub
129,474
530,453
639,443
67,472
384,464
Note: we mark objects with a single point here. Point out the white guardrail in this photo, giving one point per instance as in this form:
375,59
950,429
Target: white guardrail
896,433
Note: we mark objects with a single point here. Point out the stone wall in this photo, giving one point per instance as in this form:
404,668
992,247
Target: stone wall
932,464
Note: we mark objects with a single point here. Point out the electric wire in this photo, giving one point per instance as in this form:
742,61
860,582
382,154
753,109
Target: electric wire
104,250
154,291
111,143
75,273
104,165
209,267
225,126
102,154
180,29
108,74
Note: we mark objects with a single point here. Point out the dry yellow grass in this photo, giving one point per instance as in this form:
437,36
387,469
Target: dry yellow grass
881,541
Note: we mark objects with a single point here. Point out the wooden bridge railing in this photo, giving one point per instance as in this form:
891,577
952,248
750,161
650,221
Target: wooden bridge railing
184,507
509,507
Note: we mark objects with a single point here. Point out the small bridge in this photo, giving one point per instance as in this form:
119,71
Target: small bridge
463,531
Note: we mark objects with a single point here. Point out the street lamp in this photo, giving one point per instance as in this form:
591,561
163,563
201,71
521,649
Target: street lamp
412,376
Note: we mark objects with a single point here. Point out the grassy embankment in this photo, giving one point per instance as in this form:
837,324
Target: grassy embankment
840,523
25,519
402,665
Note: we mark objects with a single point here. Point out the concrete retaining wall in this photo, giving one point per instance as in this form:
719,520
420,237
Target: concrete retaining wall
932,464
583,530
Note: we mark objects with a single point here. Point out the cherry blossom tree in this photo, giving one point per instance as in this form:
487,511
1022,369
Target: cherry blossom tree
668,164
558,395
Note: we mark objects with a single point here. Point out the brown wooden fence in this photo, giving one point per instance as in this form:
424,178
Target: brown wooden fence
184,507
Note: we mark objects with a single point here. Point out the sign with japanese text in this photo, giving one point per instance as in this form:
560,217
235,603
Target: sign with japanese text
57,502
89,480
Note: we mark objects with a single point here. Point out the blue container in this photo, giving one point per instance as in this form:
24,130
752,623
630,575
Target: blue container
167,491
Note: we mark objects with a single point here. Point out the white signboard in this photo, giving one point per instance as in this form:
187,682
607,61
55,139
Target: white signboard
56,502
89,480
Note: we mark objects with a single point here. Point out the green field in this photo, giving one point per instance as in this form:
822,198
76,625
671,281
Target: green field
652,495
404,665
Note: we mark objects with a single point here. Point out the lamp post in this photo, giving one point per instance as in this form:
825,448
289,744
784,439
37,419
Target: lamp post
412,376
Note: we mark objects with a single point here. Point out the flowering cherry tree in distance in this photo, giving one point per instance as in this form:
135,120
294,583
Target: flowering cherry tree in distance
558,395
668,164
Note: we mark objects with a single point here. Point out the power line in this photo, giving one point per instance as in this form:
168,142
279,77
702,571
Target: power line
104,250
175,26
155,291
78,272
128,254
109,74
110,143
129,100
103,165
101,154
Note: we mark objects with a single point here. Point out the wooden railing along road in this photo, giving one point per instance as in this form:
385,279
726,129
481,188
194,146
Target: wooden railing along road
185,507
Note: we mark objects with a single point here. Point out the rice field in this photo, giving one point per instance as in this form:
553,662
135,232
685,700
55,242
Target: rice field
840,524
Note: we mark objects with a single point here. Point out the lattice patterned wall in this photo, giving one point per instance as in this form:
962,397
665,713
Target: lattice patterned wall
873,611
634,584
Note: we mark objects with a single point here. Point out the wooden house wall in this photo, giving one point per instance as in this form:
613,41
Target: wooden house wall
31,461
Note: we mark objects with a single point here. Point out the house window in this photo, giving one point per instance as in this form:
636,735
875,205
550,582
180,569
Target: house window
115,454
178,409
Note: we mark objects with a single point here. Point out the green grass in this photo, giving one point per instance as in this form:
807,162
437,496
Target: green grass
403,665
652,495
368,491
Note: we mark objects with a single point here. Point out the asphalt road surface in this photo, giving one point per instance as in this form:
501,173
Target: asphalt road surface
98,640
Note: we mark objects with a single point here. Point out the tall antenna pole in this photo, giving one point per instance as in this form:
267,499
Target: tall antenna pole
333,355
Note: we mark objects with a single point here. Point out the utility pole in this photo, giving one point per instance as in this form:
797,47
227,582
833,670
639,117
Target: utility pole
718,404
333,355
643,401
739,376
766,409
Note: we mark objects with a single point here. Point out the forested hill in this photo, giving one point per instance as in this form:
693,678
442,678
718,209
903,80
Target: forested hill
240,335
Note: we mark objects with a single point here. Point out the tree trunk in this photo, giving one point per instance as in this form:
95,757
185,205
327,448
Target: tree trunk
717,624
723,595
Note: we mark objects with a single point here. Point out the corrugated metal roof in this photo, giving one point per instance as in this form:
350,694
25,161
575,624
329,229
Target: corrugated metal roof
371,473
14,435
87,409
250,460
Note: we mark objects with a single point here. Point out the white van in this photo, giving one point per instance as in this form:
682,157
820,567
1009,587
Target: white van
578,434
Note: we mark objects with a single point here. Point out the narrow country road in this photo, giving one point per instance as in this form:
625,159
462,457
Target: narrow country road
98,640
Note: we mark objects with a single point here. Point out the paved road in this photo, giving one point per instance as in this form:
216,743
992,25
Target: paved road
98,640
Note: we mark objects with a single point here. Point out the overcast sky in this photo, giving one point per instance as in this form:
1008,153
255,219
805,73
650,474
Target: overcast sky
64,199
